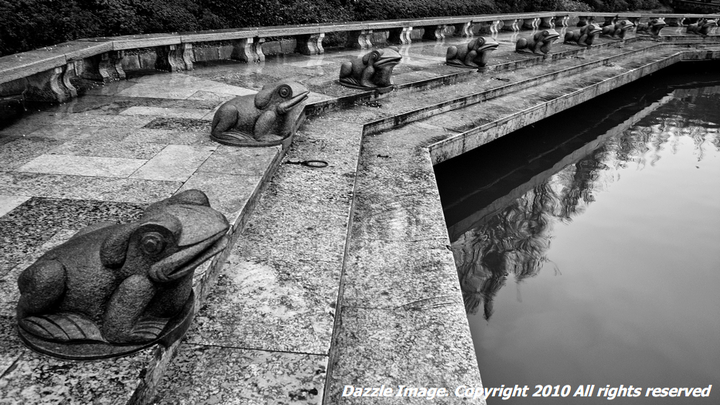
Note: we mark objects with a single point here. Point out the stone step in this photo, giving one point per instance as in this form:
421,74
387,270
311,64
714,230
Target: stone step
485,87
496,119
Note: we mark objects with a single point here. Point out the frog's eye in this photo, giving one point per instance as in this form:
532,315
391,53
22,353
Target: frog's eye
152,243
285,91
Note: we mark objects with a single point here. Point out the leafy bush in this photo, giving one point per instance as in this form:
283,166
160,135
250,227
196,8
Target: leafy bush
573,5
31,24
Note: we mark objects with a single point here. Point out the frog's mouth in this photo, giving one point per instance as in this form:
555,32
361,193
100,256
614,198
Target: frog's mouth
172,267
656,24
552,36
489,45
286,106
386,61
594,29
203,236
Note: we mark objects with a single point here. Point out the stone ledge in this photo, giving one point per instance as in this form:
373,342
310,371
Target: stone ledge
101,58
461,143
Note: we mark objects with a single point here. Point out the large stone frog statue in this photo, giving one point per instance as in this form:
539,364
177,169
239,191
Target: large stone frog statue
540,42
652,27
473,54
371,71
617,30
264,119
701,27
585,36
113,289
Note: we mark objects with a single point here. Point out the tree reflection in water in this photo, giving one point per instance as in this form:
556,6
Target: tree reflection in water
515,239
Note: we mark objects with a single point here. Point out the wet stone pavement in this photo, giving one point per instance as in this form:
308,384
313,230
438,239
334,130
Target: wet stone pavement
340,275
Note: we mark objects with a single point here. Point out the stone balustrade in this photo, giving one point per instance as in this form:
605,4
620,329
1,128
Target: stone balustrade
47,74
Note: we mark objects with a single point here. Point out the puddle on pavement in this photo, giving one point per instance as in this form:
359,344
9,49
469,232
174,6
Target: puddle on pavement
586,245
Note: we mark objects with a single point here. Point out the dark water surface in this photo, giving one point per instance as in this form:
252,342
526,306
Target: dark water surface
588,246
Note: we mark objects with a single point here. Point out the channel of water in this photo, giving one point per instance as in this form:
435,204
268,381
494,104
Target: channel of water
586,245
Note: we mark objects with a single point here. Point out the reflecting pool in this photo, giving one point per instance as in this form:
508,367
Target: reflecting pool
588,253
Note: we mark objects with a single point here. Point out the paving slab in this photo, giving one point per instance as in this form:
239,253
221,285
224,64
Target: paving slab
220,375
174,163
10,202
83,166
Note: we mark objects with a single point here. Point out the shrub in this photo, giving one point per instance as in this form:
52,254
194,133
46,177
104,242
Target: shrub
33,24
574,5
398,9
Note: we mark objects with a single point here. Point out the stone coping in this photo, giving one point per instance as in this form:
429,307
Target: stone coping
458,144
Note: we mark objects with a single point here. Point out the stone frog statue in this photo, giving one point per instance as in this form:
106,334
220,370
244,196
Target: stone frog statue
617,30
701,27
116,288
263,119
652,27
542,41
371,71
473,54
585,36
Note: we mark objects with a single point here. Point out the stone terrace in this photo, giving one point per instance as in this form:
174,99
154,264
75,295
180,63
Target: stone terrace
339,275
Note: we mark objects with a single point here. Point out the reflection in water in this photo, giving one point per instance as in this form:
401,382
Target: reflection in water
515,240
615,253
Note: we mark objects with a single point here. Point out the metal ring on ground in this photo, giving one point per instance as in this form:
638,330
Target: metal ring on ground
315,164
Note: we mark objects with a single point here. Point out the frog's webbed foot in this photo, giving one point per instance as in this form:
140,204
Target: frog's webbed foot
62,327
242,139
233,138
147,329
270,138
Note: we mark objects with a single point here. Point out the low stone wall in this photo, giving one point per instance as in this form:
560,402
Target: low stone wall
53,74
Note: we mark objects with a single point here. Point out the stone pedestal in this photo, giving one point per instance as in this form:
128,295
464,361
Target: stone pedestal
360,39
531,23
310,44
510,25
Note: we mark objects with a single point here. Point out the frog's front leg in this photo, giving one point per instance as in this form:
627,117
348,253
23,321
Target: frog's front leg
537,47
366,76
266,122
125,308
470,58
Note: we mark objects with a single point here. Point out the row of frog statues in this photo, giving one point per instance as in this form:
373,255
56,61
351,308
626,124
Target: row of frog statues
271,116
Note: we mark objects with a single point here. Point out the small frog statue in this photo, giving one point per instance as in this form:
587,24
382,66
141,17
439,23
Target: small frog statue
373,71
702,27
540,42
473,54
265,119
617,30
113,289
585,36
652,27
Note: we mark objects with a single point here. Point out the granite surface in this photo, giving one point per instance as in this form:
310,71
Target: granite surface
222,375
31,378
25,228
98,159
